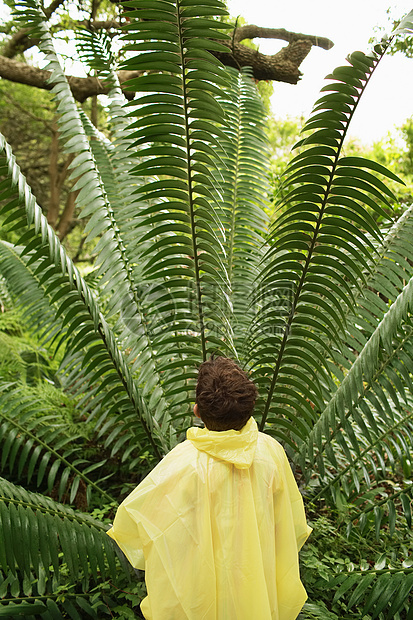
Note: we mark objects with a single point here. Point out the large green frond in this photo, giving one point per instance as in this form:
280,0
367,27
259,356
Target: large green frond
36,445
244,166
29,293
128,302
320,247
33,289
386,278
49,517
371,437
365,434
382,347
149,315
115,268
45,548
177,124
378,592
76,302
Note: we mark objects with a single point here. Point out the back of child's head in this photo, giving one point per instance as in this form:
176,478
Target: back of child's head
224,394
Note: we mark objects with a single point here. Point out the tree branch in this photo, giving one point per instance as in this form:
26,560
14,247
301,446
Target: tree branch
282,66
20,41
82,88
254,32
53,6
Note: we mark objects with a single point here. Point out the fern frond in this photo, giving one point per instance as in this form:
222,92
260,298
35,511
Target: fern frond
367,427
32,286
366,372
376,591
178,126
319,251
244,166
385,280
129,302
52,606
76,302
53,560
36,530
36,444
115,164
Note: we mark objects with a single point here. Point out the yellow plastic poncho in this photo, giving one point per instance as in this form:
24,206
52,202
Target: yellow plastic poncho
217,526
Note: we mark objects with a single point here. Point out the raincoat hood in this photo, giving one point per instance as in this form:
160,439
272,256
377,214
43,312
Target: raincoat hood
235,447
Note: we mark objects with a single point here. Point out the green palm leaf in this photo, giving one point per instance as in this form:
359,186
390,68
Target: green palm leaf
115,268
36,310
33,287
178,124
243,165
75,300
367,426
319,251
145,321
383,283
130,301
35,443
43,527
367,368
40,539
381,590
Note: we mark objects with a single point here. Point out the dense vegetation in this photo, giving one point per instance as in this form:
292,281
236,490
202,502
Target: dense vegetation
313,296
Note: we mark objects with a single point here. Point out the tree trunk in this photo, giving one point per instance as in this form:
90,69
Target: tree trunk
55,185
65,223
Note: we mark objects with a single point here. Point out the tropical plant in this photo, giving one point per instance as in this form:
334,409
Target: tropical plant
316,305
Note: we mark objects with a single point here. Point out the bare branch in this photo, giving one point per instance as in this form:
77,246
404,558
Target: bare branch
82,88
281,67
53,6
252,32
18,43
21,41
109,24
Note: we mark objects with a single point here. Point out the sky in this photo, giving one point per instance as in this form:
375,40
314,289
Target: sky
388,99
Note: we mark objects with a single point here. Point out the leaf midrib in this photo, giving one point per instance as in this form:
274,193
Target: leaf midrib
198,283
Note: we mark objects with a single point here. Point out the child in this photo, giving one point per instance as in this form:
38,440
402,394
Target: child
218,524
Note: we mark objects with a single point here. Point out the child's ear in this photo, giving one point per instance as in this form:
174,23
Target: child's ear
196,411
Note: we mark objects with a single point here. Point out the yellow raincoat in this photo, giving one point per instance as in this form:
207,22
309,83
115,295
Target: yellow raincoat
217,526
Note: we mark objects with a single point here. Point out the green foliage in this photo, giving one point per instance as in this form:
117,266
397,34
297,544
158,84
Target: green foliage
407,133
341,573
402,44
26,122
282,135
316,305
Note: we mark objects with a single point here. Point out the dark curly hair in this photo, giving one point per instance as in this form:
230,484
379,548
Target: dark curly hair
224,394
